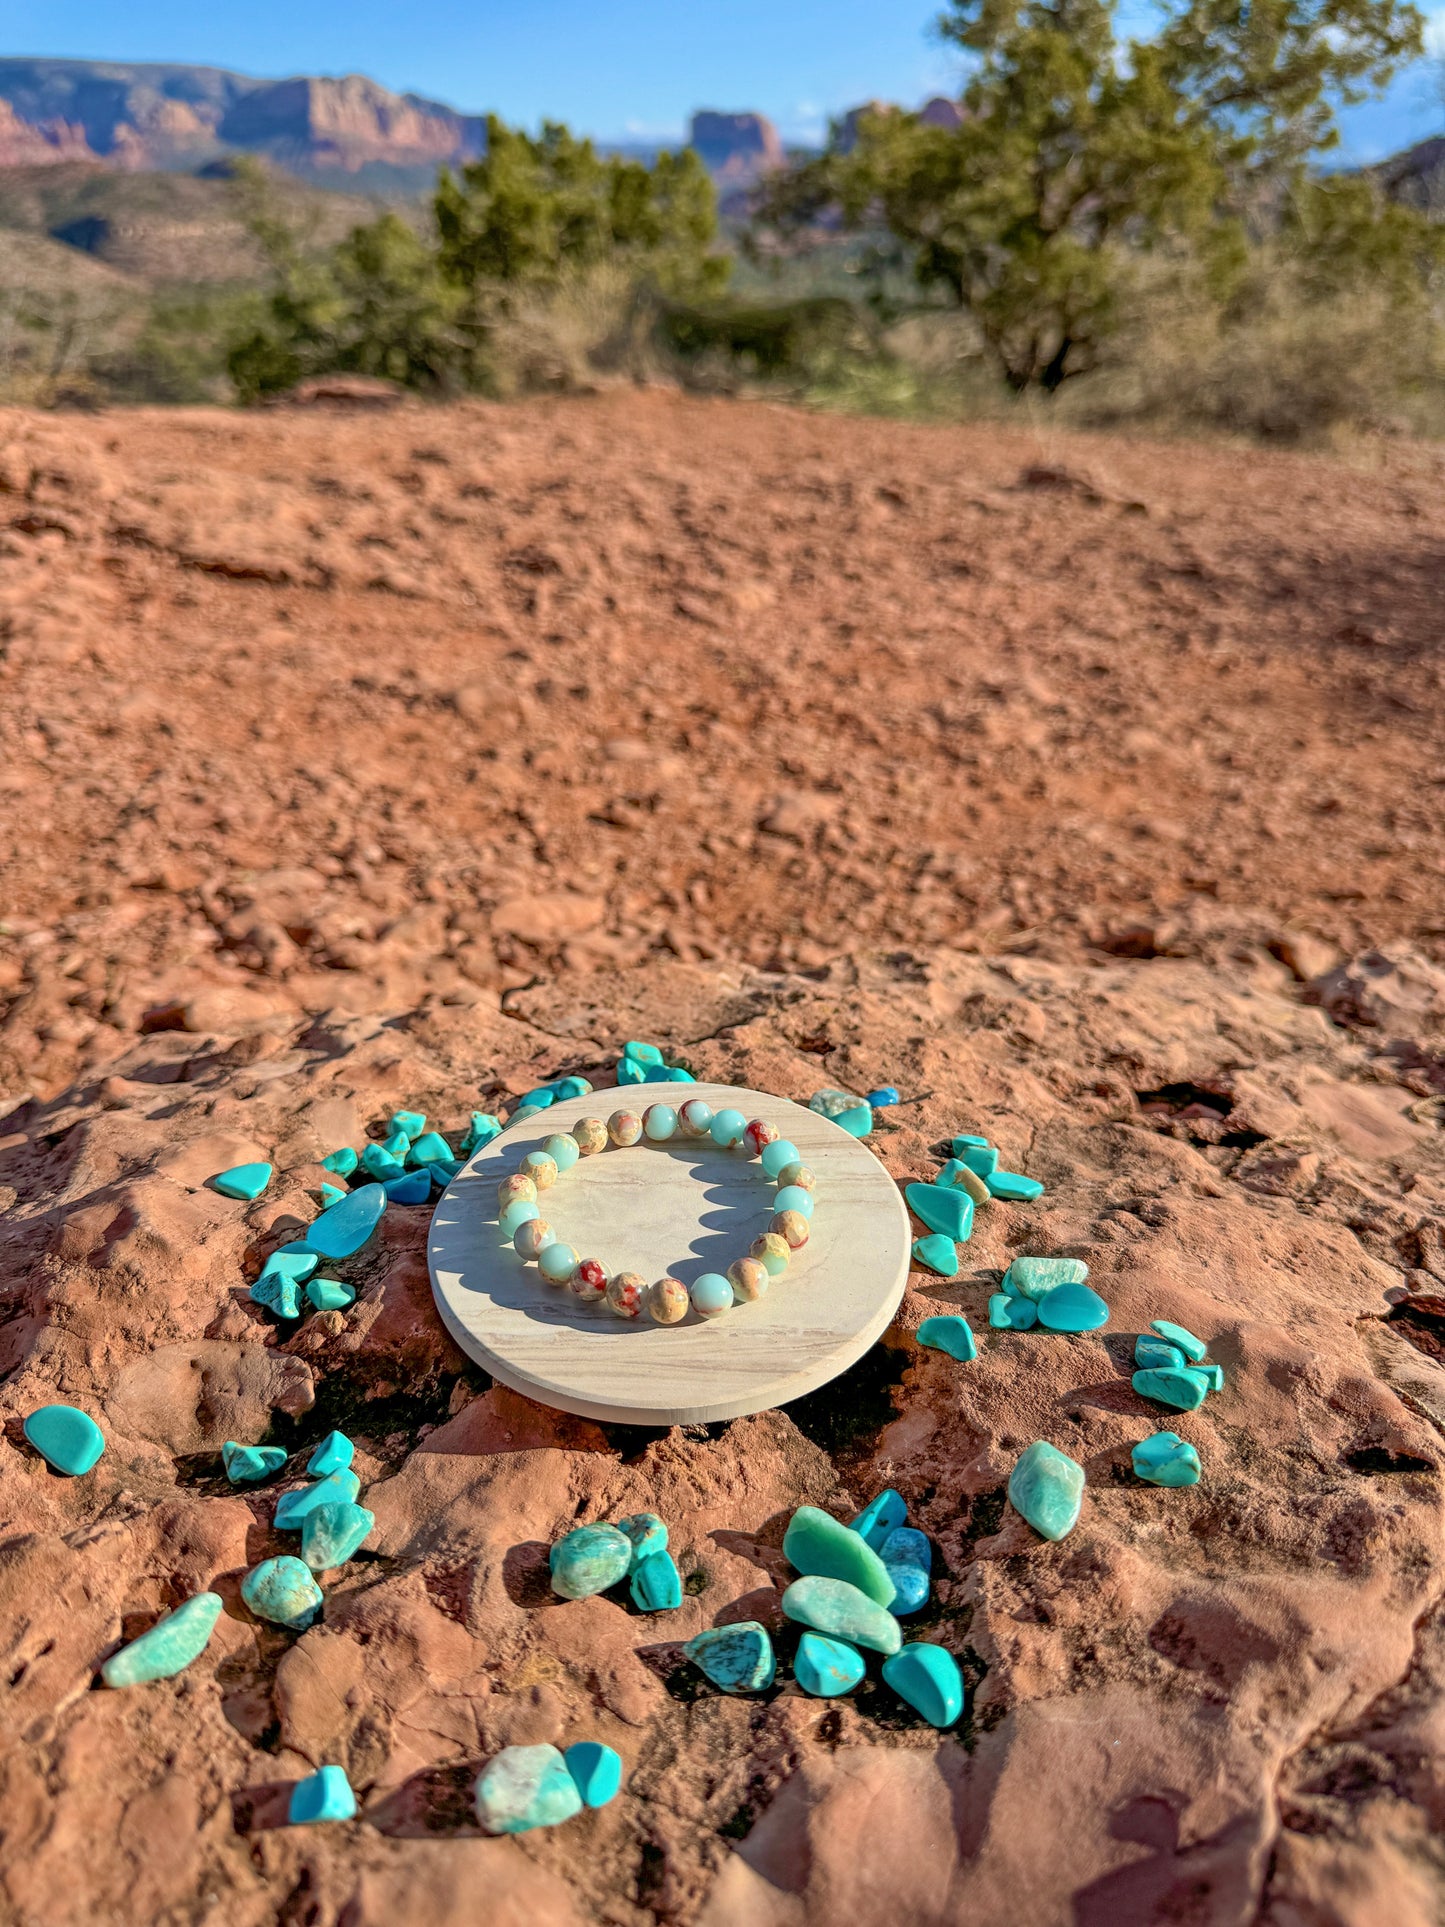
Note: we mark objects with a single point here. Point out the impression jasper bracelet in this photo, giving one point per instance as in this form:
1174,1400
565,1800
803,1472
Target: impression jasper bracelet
627,1293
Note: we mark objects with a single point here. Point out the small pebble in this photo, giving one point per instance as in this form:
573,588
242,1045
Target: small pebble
645,1533
557,1262
772,1252
574,1086
629,1071
1194,1349
908,1560
942,1208
667,1301
949,1333
1182,1387
590,1136
283,1591
1013,1187
1215,1375
968,1141
482,1129
938,1253
412,1187
1166,1459
65,1437
656,1584
826,1667
523,1112
410,1123
168,1647
541,1099
956,1176
1012,1314
792,1197
927,1677
532,1238
1047,1487
334,1454
659,1123
397,1145
778,1155
642,1053
347,1226
711,1295
749,1278
596,1772
588,1560
526,1787
330,1294
331,1533
282,1273
882,1097
323,1795
1072,1308
329,1194
737,1659
834,1607
727,1129
342,1162
624,1128
242,1181
379,1163
1151,1352
833,1103
981,1159
335,1489
626,1294
248,1464
880,1517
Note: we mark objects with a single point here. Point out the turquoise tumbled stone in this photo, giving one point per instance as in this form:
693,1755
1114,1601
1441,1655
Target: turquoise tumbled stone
412,1187
629,1071
727,1128
942,1208
1166,1459
331,1533
656,1584
927,1676
1047,1487
526,1787
1036,1277
522,1113
345,1228
857,1122
334,1454
938,1253
818,1544
397,1145
380,1163
781,1152
482,1129
330,1194
834,1607
283,1591
1150,1351
1011,1185
1215,1375
1072,1308
428,1149
247,1464
282,1272
880,1517
907,1546
410,1123
980,1158
665,1074
336,1488
737,1659
323,1795
242,1181
521,1211
443,1171
561,1147
833,1103
65,1437
588,1560
1012,1314
826,1667
645,1533
342,1162
168,1647
642,1053
659,1123
574,1086
1180,1386
540,1099
910,1589
792,1197
596,1771
1193,1348
908,1558
968,1140
882,1098
949,1333
329,1294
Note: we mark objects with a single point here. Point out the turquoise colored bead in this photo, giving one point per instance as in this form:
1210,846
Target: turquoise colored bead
334,1454
792,1197
168,1647
1072,1308
1193,1348
596,1772
248,1464
927,1677
737,1659
645,1533
430,1148
711,1295
561,1147
412,1187
656,1584
337,1488
588,1560
629,1071
880,1517
642,1053
541,1167
981,1158
242,1181
526,1787
882,1098
659,1123
379,1163
938,1253
411,1124
342,1162
329,1294
834,1607
1047,1487
1166,1459
323,1795
826,1667
65,1437
778,1154
1182,1387
520,1212
817,1544
727,1128
1013,1187
1036,1277
345,1228
1151,1352
557,1262
942,1208
283,1591
539,1100
1012,1314
331,1533
949,1333
330,1194
694,1118
482,1129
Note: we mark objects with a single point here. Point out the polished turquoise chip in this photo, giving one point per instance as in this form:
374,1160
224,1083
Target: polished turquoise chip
242,1181
342,1162
324,1795
168,1647
827,1667
1193,1348
949,1333
1012,1314
942,1208
1166,1459
65,1437
1182,1387
1013,1187
596,1771
1047,1487
927,1677
938,1253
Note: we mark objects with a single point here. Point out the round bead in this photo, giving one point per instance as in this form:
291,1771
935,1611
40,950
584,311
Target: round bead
625,1294
541,1169
791,1198
561,1147
659,1122
520,1185
711,1295
557,1262
759,1135
532,1238
771,1251
667,1301
799,1175
749,1278
777,1154
727,1129
590,1134
514,1215
589,1280
624,1127
694,1118
792,1226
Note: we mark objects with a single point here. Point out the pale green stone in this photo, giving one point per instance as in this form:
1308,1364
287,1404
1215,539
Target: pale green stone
588,1560
168,1647
526,1787
816,1543
283,1591
1047,1487
737,1659
331,1533
1036,1277
841,1611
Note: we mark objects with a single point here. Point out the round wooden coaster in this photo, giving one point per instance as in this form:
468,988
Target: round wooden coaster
684,1207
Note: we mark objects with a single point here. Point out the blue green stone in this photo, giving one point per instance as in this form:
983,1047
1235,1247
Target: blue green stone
336,1488
398,1145
519,1212
564,1087
792,1197
1072,1308
248,1464
908,1558
242,1181
482,1129
949,1333
737,1659
1013,1186
1150,1351
412,1187
334,1454
642,1053
1012,1314
1036,1277
833,1103
1193,1348
330,1194
881,1099
656,1584
667,1074
444,1170
331,1533
727,1128
282,1272
411,1123
588,1560
834,1607
880,1517
523,1112
1215,1375
857,1122
526,1787
323,1795
430,1147
781,1152
927,1677
1047,1487
629,1071
1180,1386
168,1647
968,1141
910,1590
380,1163
596,1771
942,1208
539,1100
938,1253
1166,1459
827,1667
283,1591
329,1294
65,1437
980,1158
345,1228
645,1533
342,1162
816,1543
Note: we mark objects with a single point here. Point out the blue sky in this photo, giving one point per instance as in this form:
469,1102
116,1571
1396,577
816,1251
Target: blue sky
616,69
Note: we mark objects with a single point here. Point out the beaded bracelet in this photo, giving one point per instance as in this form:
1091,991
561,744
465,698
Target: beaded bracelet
626,1293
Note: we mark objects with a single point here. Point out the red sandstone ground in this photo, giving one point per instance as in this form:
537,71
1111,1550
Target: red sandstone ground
1091,792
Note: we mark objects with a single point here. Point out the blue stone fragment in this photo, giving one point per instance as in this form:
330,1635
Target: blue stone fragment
242,1181
907,1546
1013,1186
282,1272
880,1517
380,1163
1072,1308
588,1560
1193,1348
1150,1351
345,1228
857,1122
482,1129
596,1771
1036,1277
334,1454
1166,1459
1180,1386
827,1667
908,1558
330,1294
910,1589
949,1334
526,1787
412,1187
927,1677
940,1254
629,1071
1215,1375
539,1100
645,1533
246,1464
65,1437
656,1584
443,1171
1047,1487
330,1194
942,1208
168,1647
410,1123
882,1097
1012,1314
428,1149
980,1158
336,1488
342,1162
737,1659
565,1087
396,1145
331,1533
968,1141
323,1795
283,1591
642,1053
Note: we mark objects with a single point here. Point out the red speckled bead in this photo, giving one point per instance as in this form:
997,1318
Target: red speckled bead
757,1135
626,1293
589,1280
